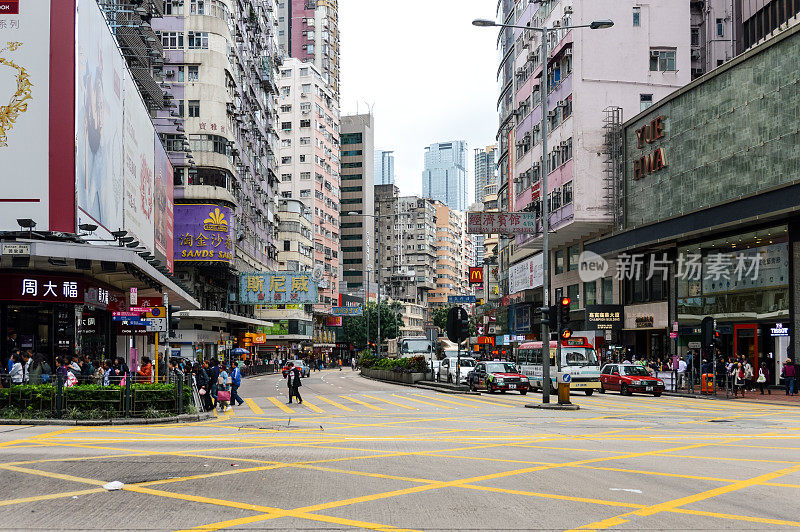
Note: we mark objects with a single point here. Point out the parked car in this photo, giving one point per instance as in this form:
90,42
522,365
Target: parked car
447,369
498,376
629,379
305,369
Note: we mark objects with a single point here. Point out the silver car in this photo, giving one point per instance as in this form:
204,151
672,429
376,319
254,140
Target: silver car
305,369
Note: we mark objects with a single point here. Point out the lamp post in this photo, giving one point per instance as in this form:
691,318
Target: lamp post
596,25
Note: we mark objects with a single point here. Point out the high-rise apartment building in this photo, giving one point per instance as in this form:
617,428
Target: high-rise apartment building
452,255
309,164
485,171
445,175
712,35
358,200
757,20
407,259
309,31
586,106
219,75
384,167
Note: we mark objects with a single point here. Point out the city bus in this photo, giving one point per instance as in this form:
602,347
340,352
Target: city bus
578,358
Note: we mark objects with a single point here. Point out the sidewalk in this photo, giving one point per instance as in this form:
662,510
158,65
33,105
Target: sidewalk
778,397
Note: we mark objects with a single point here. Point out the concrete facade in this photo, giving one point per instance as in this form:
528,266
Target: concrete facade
309,163
452,255
712,34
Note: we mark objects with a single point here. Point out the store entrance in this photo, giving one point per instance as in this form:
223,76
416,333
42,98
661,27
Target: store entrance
745,342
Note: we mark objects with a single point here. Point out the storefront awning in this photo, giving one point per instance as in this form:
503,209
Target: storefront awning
117,266
217,316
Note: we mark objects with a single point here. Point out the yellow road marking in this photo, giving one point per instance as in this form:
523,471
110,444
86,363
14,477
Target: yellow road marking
334,403
445,400
362,403
254,407
553,496
51,496
313,407
422,402
49,474
390,402
280,405
486,402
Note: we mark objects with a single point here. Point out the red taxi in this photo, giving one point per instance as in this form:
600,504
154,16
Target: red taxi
629,379
498,376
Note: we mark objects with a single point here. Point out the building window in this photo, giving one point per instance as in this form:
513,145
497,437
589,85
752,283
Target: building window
305,193
662,60
173,7
590,293
310,49
559,262
608,290
567,193
198,7
352,138
287,245
573,252
286,91
645,101
286,126
720,27
305,123
304,71
305,141
286,143
286,108
194,108
286,177
637,16
172,40
181,110
352,153
286,160
305,88
574,296
198,40
695,36
180,73
193,73
352,165
305,176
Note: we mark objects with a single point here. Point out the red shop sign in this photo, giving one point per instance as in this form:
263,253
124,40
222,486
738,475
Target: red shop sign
48,288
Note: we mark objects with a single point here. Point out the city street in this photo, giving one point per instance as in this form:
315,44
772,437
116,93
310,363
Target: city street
363,454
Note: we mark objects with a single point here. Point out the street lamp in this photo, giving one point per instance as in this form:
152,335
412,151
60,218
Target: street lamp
544,55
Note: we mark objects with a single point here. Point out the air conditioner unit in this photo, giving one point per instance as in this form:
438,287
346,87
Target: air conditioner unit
557,24
568,10
520,71
568,52
532,56
551,114
169,72
654,53
564,143
695,54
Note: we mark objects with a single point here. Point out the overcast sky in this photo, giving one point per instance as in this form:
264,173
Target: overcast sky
428,74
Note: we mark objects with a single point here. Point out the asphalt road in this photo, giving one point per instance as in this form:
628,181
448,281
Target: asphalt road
358,454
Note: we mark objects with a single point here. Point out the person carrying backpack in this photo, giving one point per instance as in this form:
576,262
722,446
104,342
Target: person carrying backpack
236,381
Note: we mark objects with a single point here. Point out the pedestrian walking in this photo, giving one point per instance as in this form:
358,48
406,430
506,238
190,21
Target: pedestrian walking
17,373
223,391
40,370
293,383
681,373
738,379
749,376
236,381
213,379
763,378
789,374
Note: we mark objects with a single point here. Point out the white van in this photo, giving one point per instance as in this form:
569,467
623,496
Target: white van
448,369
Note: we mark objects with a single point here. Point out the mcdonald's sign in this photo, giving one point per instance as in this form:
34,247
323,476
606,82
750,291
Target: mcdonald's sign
476,275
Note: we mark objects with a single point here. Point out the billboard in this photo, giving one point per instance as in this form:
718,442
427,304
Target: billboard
137,167
476,275
502,223
164,222
99,116
24,115
258,288
203,232
526,274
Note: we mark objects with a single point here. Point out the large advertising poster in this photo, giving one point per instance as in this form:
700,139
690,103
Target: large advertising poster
24,114
258,288
526,275
204,232
137,168
98,102
164,230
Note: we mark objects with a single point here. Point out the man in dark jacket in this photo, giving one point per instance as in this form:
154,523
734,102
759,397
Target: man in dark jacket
293,383
213,377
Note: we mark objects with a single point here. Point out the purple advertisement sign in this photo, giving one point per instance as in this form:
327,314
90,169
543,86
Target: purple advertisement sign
203,233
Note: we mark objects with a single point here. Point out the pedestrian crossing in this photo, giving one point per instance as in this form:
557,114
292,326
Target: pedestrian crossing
370,403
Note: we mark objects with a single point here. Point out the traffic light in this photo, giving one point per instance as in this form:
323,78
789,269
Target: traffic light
717,340
707,330
563,312
566,334
464,325
550,316
173,321
457,325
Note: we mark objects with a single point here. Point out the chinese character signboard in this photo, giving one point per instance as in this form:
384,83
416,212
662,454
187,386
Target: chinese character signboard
526,275
204,233
502,223
476,275
259,288
56,289
347,311
461,299
604,317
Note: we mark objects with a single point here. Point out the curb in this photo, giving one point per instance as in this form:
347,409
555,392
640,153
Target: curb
423,387
553,406
183,418
737,399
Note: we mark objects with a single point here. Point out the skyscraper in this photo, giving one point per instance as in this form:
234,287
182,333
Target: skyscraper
485,171
445,174
384,167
